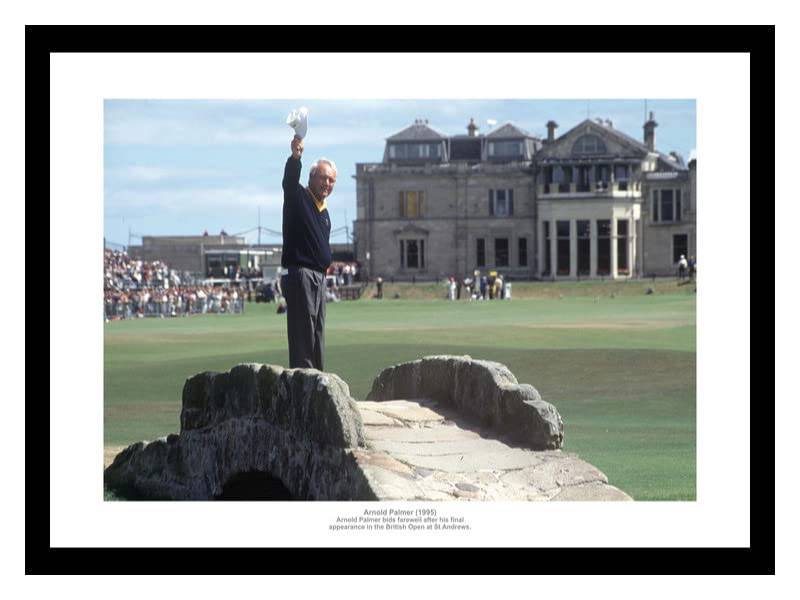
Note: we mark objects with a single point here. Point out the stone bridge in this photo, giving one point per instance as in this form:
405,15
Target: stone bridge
438,428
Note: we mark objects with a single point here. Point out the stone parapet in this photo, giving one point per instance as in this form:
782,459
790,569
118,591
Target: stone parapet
482,390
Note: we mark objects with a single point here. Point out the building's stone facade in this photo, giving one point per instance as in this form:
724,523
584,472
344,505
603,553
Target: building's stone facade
183,252
666,240
206,255
576,206
454,212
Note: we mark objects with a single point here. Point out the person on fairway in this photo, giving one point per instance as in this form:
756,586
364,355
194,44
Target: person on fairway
306,256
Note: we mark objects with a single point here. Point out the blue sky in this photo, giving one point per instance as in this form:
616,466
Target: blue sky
179,167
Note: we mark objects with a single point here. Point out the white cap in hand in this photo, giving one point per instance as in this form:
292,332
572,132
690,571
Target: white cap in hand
298,120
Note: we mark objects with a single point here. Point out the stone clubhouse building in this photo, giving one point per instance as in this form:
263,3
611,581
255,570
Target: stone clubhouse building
591,203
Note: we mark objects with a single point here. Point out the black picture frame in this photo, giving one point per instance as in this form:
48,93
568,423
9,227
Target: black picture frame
41,42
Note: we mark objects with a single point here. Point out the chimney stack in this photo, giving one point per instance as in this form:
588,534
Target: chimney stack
650,133
551,130
471,128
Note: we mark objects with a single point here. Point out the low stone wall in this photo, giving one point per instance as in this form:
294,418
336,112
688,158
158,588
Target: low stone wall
298,425
482,390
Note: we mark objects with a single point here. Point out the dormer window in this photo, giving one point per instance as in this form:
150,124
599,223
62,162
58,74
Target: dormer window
415,151
589,144
505,149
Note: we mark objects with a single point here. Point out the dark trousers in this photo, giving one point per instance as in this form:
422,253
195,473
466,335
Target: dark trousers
304,290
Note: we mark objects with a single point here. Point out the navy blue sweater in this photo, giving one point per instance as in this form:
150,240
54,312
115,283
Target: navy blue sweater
306,228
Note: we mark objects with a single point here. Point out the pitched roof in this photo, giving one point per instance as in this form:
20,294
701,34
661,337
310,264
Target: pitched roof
418,131
664,158
508,131
615,132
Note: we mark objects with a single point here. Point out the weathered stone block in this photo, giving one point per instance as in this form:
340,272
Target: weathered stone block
438,375
267,383
242,395
196,401
529,419
402,410
400,381
332,416
380,390
406,380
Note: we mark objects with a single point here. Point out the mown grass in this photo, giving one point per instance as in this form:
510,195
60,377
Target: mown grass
620,370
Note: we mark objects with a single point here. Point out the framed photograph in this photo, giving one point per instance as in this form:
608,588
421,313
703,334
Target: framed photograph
525,369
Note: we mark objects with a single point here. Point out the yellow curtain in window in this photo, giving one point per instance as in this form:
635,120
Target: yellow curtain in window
412,205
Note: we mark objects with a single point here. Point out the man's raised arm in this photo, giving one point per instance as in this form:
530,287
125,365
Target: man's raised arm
291,174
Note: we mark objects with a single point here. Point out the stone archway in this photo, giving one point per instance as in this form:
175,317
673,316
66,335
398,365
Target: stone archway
254,485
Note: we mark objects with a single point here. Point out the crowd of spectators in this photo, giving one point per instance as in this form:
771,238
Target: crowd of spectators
344,273
137,288
124,273
172,302
479,287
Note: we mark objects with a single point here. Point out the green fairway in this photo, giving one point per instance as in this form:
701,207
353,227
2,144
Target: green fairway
620,370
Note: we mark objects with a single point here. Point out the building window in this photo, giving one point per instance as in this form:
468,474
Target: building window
604,247
584,183
505,149
666,205
621,176
655,206
547,250
481,252
589,144
414,151
562,248
522,254
563,177
412,254
680,246
411,204
602,177
584,247
501,252
622,246
501,203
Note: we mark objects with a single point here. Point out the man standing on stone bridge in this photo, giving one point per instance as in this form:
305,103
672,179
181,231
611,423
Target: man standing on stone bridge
306,255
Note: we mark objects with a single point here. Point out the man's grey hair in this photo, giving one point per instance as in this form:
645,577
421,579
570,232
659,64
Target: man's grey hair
316,165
